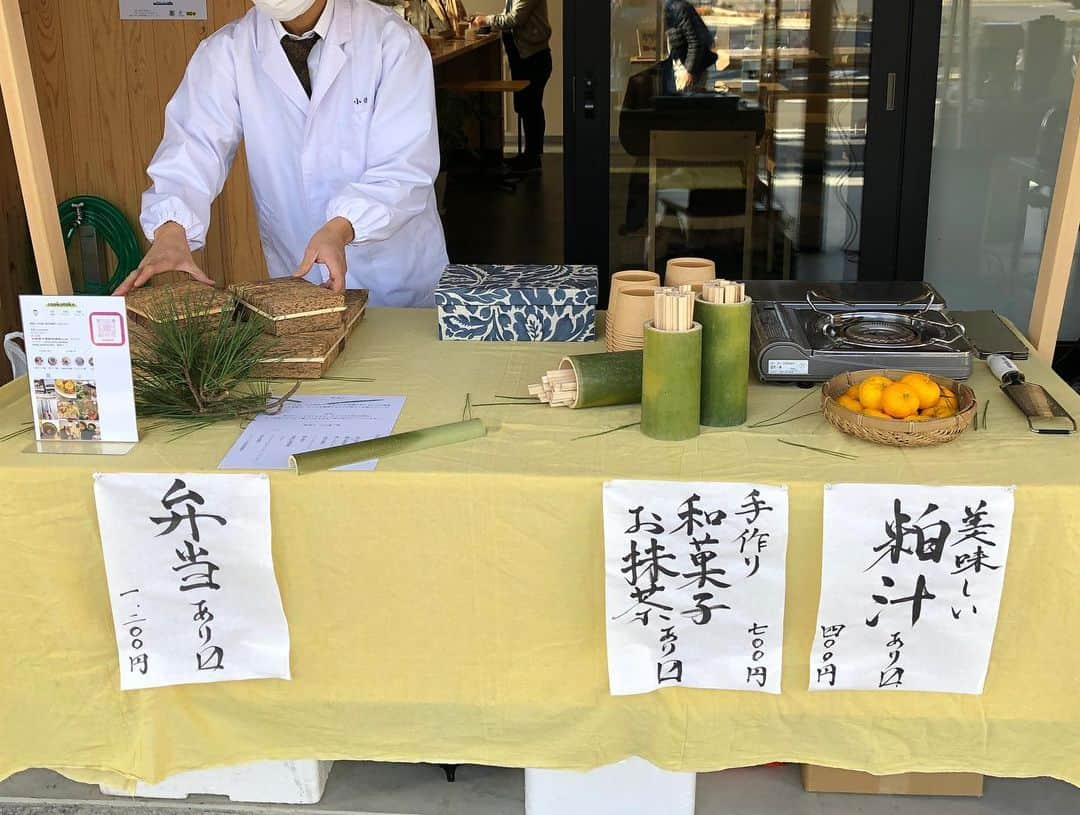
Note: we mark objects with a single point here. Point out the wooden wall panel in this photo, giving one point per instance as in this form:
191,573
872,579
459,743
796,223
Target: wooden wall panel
103,85
16,271
41,20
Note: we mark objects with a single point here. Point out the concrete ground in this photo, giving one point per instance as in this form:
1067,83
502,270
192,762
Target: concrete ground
364,788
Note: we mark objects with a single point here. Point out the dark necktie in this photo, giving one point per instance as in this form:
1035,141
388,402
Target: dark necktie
297,52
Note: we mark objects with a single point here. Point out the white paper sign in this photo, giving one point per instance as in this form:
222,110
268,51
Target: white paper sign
191,578
79,364
695,585
911,582
162,9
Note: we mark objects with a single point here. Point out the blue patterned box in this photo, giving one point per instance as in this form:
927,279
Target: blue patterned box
517,303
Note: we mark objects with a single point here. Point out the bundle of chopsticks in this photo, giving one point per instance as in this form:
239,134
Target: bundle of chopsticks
673,308
557,388
450,12
723,291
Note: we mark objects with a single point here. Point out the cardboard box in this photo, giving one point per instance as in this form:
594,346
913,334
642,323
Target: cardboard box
829,779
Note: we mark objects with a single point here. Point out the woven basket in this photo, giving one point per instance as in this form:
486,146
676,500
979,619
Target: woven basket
896,432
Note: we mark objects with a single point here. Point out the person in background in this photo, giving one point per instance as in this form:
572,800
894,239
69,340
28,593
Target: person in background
689,43
335,103
526,35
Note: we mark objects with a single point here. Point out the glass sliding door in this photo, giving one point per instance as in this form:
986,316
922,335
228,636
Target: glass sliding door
738,132
1005,74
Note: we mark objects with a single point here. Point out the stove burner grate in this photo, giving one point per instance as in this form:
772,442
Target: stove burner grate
879,330
873,333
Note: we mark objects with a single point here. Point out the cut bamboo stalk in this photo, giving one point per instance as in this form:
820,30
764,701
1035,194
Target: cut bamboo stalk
397,444
725,355
671,384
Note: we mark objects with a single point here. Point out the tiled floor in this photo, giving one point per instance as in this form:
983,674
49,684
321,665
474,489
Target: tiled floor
364,788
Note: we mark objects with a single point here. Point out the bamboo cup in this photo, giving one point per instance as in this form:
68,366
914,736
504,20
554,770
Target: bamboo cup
725,361
630,279
683,271
632,310
620,281
648,280
671,383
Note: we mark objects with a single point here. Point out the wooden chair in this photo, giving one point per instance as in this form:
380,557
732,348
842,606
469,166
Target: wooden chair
691,152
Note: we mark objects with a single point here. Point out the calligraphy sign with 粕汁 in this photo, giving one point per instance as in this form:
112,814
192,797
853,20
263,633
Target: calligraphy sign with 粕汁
911,580
191,578
694,585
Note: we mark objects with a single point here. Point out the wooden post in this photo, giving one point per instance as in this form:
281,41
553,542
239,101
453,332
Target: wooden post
1060,242
31,157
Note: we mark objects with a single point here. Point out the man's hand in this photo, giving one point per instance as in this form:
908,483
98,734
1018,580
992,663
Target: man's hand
169,253
481,19
327,246
683,79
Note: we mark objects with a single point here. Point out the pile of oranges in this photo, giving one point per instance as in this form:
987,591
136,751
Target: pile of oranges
915,398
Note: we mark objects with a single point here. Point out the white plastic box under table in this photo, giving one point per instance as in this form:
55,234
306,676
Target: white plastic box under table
627,788
261,782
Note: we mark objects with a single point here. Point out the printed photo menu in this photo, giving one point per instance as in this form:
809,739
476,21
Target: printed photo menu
79,364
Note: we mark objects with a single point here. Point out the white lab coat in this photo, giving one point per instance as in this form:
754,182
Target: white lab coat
364,147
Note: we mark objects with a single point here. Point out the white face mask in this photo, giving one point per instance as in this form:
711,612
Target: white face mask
283,10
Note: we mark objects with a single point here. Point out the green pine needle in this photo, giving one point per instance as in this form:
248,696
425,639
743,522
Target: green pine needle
796,403
16,433
605,432
199,370
785,421
834,453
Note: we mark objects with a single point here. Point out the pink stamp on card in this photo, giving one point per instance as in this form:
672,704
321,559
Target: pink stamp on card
107,328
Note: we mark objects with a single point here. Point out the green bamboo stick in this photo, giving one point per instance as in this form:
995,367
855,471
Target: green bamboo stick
423,439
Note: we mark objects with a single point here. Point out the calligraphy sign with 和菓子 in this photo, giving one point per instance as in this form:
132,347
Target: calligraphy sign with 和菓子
191,578
694,585
911,580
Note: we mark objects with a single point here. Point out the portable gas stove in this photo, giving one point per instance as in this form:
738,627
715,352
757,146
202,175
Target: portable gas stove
809,332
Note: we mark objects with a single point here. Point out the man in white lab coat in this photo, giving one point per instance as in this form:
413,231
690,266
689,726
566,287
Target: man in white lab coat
335,103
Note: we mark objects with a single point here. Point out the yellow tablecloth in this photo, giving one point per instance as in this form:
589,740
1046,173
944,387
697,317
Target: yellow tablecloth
449,606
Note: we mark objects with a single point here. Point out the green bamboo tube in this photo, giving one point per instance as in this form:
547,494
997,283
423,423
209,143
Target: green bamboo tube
606,379
422,439
671,384
725,361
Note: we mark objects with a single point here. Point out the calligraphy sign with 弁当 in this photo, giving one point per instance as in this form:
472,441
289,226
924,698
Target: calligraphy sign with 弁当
191,578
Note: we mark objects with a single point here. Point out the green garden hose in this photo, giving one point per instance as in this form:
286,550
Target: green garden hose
112,227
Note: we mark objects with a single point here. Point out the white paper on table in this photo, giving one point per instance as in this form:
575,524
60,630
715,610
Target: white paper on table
78,357
313,423
669,623
886,548
191,578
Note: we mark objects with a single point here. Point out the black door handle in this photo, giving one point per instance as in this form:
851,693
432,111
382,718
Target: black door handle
589,100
